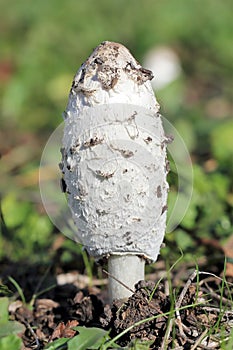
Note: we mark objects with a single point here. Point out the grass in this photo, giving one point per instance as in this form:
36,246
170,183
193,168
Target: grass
18,288
205,304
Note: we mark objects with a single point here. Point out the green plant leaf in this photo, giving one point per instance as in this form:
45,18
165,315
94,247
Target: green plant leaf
140,345
15,213
11,327
4,302
88,338
11,342
5,291
58,344
221,141
8,327
18,288
183,239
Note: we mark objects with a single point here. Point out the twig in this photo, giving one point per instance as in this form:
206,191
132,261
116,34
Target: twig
33,334
207,279
213,275
199,340
184,291
216,309
179,302
213,294
116,279
177,306
181,327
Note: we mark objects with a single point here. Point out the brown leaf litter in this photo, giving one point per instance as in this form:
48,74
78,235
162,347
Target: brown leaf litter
202,315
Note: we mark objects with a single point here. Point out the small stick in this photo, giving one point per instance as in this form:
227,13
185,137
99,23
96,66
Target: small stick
118,281
33,334
199,340
179,302
216,296
213,275
216,309
177,306
184,291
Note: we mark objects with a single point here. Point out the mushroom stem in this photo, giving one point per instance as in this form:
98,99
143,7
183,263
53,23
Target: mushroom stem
128,269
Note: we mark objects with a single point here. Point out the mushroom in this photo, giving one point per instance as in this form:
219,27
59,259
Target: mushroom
114,164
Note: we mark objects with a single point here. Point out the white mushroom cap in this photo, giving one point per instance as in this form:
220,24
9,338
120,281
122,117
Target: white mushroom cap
114,156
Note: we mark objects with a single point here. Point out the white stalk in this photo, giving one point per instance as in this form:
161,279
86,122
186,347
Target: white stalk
114,164
125,271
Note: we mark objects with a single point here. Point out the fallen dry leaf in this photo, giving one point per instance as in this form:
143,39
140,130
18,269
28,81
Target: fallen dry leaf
64,330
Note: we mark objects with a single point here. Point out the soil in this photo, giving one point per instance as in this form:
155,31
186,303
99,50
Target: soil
70,298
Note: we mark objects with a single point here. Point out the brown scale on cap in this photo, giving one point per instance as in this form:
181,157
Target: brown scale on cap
108,60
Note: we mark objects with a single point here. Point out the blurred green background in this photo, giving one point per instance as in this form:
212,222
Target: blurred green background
43,44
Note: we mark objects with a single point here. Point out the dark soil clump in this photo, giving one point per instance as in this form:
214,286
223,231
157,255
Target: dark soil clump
145,303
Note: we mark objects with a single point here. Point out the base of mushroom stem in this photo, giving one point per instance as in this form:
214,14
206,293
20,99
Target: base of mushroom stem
124,272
